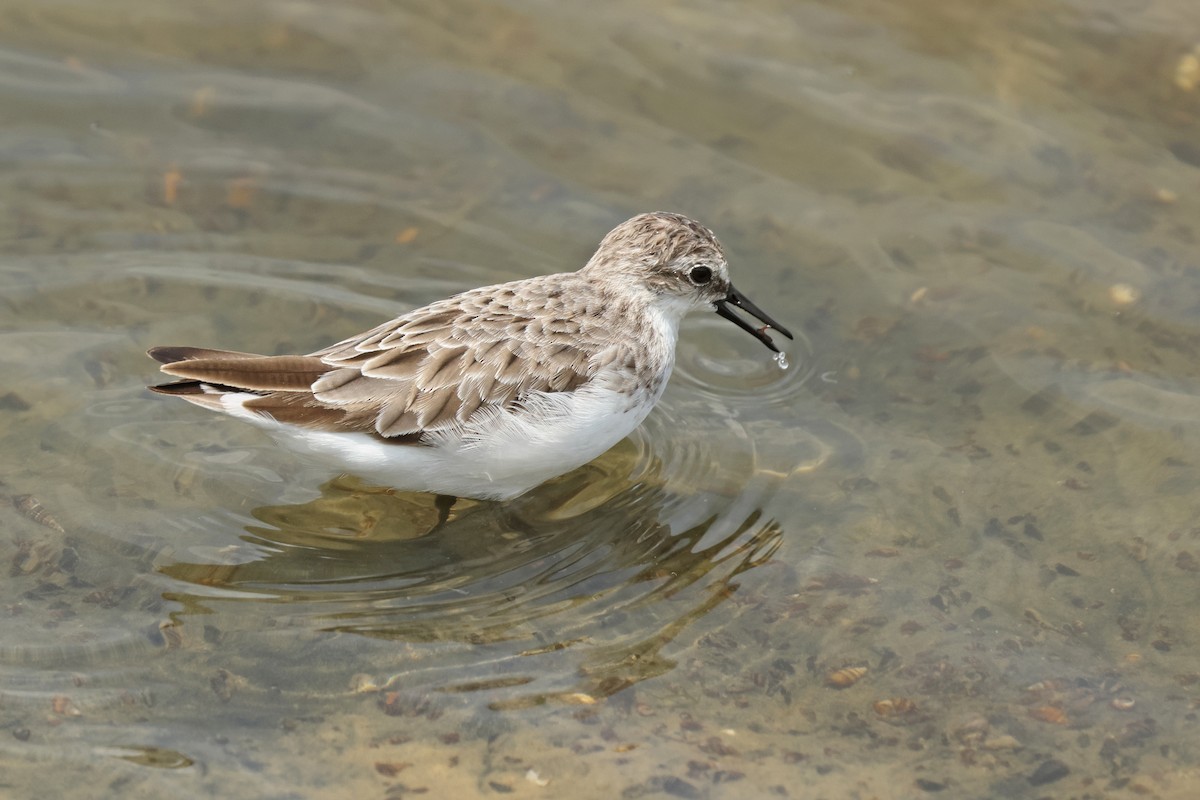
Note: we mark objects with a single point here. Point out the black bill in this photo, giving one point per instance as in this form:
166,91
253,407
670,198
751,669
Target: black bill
736,298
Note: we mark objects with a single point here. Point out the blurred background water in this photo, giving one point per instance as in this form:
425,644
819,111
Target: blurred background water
956,546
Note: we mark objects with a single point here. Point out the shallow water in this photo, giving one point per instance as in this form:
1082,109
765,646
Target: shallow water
953,548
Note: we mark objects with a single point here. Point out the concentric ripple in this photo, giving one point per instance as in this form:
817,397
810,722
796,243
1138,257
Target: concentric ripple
585,559
715,360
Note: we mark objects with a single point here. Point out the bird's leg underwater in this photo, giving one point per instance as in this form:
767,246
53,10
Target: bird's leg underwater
444,503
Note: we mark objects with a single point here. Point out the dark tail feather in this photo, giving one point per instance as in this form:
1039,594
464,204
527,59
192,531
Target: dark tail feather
184,388
195,392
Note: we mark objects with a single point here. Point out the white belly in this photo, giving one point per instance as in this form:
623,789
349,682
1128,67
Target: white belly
498,457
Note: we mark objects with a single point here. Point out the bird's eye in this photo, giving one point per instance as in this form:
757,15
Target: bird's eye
700,275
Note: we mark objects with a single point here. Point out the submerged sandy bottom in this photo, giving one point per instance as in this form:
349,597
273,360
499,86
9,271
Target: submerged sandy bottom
951,551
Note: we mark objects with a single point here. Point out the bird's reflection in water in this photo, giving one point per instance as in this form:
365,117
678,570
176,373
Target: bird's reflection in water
569,592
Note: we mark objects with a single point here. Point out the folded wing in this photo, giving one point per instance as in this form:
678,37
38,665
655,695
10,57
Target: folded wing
426,372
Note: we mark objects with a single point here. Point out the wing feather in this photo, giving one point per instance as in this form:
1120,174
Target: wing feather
428,371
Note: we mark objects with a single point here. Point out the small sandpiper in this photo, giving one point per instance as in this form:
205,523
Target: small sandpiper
491,392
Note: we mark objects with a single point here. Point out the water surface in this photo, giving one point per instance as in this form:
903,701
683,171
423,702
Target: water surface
953,548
